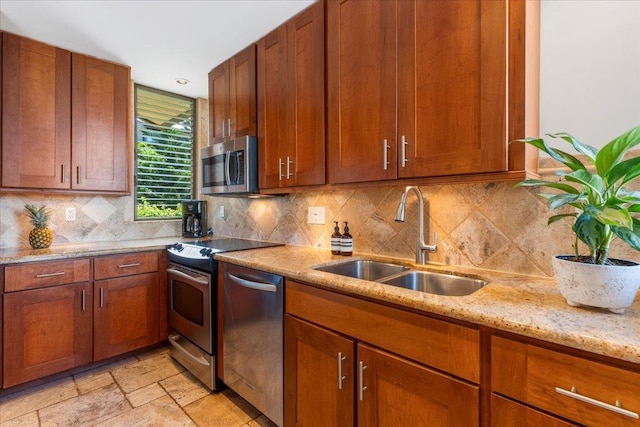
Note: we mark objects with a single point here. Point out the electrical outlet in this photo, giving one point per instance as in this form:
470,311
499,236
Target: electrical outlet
315,215
70,214
221,211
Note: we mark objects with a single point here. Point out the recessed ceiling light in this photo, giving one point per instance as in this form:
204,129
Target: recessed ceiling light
182,81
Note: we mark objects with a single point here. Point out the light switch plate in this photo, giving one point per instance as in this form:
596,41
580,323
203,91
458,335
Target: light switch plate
315,215
221,211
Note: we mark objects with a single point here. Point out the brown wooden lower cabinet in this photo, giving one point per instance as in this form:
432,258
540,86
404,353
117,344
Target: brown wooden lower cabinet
125,314
46,331
507,413
331,380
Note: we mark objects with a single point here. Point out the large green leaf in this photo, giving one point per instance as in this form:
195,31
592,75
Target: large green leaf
559,155
585,149
613,216
541,183
590,180
556,218
630,236
590,231
559,200
611,154
626,171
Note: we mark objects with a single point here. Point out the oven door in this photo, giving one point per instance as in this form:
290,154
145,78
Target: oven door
191,300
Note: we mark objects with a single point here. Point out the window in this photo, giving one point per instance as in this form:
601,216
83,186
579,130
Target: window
164,152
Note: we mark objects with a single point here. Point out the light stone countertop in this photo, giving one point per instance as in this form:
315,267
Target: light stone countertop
525,305
57,252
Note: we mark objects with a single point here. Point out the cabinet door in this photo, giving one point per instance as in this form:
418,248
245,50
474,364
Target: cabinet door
451,87
36,114
305,33
291,102
396,392
275,131
125,314
218,102
319,380
100,125
46,331
361,87
242,97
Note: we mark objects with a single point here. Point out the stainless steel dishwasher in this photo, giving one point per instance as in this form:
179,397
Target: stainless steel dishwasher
253,338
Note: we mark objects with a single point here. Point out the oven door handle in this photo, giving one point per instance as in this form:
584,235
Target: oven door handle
187,277
268,287
199,360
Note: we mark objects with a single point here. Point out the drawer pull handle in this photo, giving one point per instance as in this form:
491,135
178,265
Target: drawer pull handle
617,408
40,276
361,368
341,377
135,264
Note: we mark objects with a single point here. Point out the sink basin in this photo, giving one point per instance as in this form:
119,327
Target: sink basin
435,283
364,269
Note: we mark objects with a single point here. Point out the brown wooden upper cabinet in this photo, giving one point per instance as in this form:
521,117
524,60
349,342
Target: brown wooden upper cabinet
232,97
65,119
291,93
419,89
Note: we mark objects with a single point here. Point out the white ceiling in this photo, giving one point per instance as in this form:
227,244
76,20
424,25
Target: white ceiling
160,39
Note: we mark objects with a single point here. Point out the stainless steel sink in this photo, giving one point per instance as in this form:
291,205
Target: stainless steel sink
364,269
435,283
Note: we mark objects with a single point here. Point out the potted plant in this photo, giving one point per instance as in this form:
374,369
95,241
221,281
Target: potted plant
603,211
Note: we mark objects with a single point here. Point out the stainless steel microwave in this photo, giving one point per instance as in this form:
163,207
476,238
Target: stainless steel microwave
231,167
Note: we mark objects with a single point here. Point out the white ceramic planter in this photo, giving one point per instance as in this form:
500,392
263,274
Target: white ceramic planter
605,286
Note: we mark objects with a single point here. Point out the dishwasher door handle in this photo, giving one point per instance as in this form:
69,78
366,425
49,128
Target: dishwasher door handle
267,287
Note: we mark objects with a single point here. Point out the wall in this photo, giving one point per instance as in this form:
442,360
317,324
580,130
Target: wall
491,226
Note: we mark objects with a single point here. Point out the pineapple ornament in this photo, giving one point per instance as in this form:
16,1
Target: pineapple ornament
41,236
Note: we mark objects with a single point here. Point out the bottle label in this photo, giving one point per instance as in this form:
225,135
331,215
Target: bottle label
346,246
335,244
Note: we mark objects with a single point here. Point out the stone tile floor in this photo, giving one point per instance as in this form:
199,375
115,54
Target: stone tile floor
149,389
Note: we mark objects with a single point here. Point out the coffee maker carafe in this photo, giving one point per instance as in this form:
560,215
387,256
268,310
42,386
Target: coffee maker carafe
194,218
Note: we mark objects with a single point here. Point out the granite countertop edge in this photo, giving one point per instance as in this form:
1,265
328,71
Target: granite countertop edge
525,305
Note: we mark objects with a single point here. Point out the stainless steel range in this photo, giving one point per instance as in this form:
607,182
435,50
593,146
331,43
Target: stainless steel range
192,279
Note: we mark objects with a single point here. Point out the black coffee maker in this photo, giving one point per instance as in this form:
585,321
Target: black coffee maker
194,218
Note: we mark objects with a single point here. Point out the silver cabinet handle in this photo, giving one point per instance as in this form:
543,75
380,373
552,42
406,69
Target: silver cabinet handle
341,377
229,127
404,151
268,287
199,360
57,273
223,134
280,169
78,170
101,297
289,163
185,276
135,264
385,155
361,387
617,408
84,300
63,171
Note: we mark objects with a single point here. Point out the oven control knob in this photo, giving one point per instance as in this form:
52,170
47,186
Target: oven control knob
206,251
177,246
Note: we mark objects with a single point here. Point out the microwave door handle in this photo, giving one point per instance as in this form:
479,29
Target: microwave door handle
237,169
227,160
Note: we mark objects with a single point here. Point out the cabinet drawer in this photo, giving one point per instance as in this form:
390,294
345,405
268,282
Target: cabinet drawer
125,265
545,378
442,345
44,274
507,413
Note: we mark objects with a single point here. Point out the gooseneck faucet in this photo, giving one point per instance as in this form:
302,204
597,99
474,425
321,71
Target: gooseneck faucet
421,246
